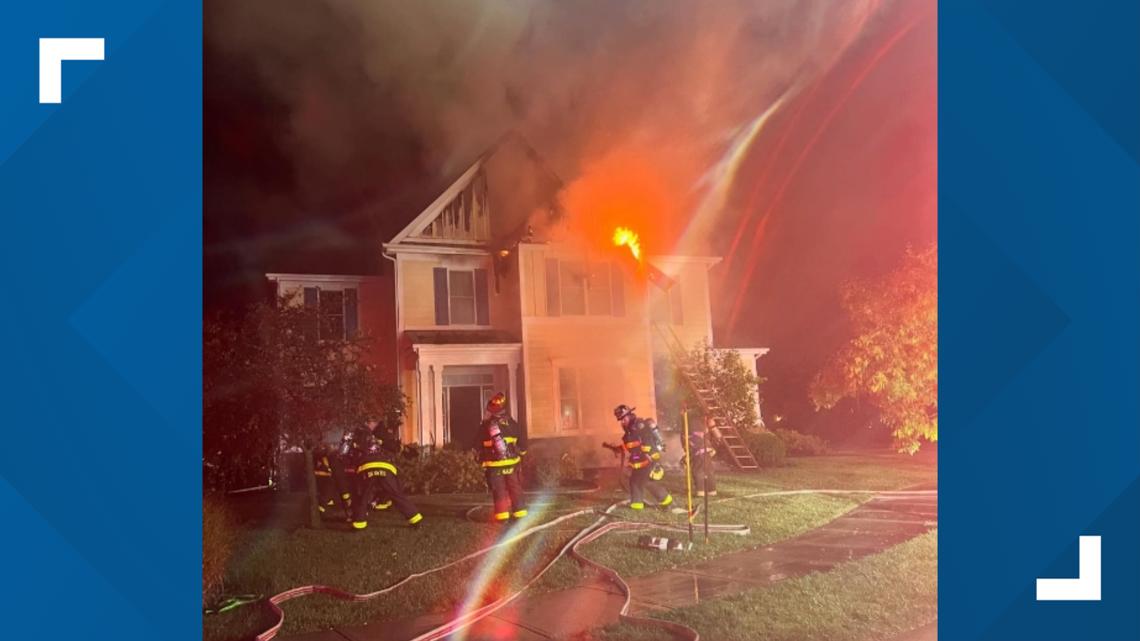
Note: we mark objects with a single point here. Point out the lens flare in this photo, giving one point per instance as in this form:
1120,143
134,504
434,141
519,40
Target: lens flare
491,578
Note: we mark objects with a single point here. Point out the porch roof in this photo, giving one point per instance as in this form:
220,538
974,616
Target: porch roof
460,337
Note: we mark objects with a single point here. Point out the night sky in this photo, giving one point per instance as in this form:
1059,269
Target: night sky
329,124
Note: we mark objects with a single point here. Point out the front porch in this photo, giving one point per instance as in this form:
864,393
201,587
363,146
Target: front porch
453,383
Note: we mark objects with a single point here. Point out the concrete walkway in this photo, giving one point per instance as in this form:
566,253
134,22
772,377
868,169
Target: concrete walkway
884,521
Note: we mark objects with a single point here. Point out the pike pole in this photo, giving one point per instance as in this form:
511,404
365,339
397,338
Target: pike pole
705,479
688,474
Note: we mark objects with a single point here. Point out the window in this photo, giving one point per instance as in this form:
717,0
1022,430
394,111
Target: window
666,305
336,313
572,282
569,405
600,298
576,288
461,297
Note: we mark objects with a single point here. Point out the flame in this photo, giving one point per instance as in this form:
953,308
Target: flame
624,236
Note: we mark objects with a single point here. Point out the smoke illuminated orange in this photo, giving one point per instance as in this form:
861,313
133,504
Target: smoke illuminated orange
626,237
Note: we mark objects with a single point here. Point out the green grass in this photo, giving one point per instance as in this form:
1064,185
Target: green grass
876,597
276,554
272,560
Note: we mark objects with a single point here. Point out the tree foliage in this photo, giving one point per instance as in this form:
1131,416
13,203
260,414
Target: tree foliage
732,381
268,383
892,361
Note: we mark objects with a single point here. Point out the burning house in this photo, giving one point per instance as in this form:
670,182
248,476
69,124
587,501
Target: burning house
485,290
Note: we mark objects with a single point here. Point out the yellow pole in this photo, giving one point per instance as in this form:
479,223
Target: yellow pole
688,472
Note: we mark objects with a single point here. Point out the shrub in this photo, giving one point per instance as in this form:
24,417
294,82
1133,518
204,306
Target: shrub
800,444
443,471
768,448
219,533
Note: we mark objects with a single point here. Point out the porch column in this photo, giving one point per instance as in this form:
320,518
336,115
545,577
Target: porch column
513,387
437,405
427,404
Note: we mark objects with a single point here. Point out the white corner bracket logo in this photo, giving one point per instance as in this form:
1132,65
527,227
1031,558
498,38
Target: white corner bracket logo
53,51
1086,587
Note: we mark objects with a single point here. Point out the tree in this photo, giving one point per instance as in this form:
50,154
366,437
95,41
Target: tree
733,383
271,383
892,361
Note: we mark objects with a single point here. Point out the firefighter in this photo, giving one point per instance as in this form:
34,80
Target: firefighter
501,449
331,486
644,444
388,433
376,474
702,450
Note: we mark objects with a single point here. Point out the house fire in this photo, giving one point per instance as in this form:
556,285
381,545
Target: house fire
474,300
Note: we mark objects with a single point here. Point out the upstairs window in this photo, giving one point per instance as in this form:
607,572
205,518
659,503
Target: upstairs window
461,297
577,288
337,317
666,305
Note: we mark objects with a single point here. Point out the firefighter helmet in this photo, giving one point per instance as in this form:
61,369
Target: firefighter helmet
623,410
497,404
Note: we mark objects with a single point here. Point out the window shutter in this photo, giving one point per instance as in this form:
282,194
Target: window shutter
351,322
441,315
617,284
312,317
482,309
553,299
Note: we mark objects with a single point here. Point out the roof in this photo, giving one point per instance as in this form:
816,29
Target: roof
460,337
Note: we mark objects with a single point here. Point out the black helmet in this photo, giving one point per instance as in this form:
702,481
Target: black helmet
623,410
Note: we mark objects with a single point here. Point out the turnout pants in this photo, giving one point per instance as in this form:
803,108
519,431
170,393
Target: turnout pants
506,492
702,482
640,484
383,485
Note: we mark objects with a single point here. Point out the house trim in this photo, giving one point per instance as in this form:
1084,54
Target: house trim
428,215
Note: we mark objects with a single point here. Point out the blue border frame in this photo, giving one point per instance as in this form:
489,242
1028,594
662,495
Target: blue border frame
1039,227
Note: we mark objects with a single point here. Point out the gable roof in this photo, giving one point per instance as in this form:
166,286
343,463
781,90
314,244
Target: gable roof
433,211
473,213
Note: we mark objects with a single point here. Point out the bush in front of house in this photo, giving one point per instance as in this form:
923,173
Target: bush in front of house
219,534
800,444
443,471
768,448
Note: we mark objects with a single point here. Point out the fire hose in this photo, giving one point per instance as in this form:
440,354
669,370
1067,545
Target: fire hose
587,534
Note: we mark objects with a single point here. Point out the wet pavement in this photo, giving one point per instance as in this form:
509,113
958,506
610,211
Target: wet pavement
886,520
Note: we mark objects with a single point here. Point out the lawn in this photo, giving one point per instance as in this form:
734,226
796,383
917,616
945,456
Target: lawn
276,554
876,597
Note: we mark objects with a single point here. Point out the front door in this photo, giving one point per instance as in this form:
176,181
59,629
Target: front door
464,414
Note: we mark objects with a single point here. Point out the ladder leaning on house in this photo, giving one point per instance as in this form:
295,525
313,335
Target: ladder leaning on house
705,393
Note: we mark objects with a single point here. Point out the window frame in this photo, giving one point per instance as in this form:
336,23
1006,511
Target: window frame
588,269
451,298
344,316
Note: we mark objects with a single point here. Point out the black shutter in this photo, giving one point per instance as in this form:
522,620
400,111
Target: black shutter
351,322
617,284
312,315
553,298
482,309
441,314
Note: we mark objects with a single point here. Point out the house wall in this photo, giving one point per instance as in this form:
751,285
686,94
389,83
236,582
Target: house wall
696,317
417,289
611,354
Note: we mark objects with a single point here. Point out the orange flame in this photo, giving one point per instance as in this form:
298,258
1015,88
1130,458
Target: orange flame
624,236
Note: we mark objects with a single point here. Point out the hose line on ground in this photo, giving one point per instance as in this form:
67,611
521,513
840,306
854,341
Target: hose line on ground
587,534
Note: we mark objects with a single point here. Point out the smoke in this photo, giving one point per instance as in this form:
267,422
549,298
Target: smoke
642,107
